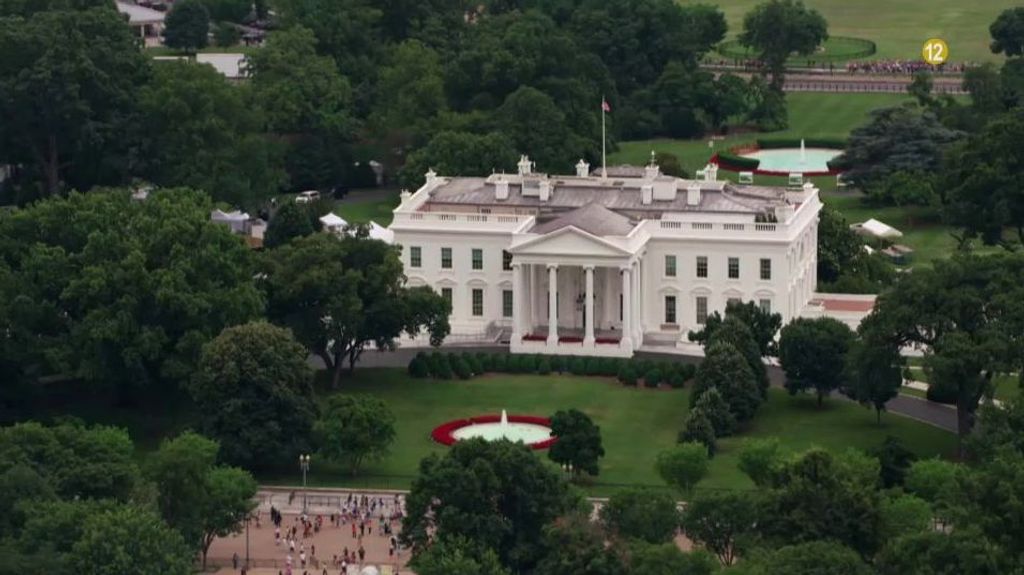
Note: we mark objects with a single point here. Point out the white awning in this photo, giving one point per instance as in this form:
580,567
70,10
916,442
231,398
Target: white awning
332,221
140,15
379,232
877,229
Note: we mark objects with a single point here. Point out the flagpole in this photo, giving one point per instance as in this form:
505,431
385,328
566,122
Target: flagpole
604,157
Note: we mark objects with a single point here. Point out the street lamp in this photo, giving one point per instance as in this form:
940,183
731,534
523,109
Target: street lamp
304,465
247,518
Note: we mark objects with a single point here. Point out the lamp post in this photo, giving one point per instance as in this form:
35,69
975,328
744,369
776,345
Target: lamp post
304,465
247,518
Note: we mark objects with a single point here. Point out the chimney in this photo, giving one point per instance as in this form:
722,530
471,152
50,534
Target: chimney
693,194
582,169
404,196
501,189
784,212
646,194
524,165
430,176
545,190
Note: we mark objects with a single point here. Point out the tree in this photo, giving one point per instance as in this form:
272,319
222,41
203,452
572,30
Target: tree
642,514
129,539
839,248
292,220
761,324
934,552
776,29
458,556
895,460
735,331
346,30
904,138
496,494
79,136
460,153
575,544
410,92
354,429
905,514
813,353
198,498
961,312
253,390
767,107
536,126
667,559
987,497
726,369
921,89
714,407
1008,32
201,132
579,441
719,521
813,558
341,294
187,26
230,10
669,164
683,466
931,480
760,459
697,428
873,376
981,197
817,497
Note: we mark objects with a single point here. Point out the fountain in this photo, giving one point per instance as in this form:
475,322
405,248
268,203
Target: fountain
533,431
803,153
504,423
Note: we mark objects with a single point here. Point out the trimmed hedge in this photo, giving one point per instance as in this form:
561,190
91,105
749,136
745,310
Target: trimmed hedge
776,143
739,162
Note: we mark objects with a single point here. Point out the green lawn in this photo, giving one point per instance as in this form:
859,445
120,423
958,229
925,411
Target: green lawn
635,423
898,28
361,206
155,51
1006,386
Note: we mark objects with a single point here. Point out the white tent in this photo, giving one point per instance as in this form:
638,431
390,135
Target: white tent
234,220
333,223
379,232
876,229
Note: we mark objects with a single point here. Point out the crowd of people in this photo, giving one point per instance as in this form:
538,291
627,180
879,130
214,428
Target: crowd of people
902,67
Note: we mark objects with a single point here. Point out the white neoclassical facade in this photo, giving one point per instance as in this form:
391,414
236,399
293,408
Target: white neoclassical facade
595,264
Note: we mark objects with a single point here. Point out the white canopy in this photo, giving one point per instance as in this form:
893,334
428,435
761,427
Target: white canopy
332,221
235,216
139,15
877,229
379,232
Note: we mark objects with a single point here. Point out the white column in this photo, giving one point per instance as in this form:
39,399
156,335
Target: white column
518,310
552,304
635,304
627,305
588,338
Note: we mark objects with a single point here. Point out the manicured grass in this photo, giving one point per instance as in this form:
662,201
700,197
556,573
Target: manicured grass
898,28
361,206
1006,386
155,51
635,423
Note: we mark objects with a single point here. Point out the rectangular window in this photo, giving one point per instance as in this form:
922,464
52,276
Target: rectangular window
670,309
766,269
734,268
415,257
702,266
506,303
702,310
478,302
766,305
446,293
506,261
478,259
670,266
446,258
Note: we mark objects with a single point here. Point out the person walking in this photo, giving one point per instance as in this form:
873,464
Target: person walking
234,561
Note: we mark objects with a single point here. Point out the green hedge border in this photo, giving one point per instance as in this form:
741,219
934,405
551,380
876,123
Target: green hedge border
738,162
733,49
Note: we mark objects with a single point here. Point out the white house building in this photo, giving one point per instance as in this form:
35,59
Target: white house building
634,257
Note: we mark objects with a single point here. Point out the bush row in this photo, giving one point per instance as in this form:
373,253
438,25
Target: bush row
439,365
775,143
736,162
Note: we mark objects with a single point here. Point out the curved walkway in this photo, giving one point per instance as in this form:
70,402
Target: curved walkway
935,414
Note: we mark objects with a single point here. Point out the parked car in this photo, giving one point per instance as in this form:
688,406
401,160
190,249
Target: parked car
307,197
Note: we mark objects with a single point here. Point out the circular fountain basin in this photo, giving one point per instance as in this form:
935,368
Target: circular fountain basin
535,432
791,160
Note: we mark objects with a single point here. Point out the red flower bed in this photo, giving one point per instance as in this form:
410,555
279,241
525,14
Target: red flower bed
532,337
607,341
444,433
570,339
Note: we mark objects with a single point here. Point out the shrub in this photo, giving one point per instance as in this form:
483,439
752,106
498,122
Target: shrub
441,367
610,366
675,380
472,363
683,466
558,363
486,362
513,364
419,366
736,162
652,378
578,366
620,374
698,429
629,376
460,366
499,362
759,459
716,409
942,393
544,366
530,363
687,371
593,366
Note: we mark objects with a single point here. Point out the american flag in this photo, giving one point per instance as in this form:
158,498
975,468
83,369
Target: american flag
604,106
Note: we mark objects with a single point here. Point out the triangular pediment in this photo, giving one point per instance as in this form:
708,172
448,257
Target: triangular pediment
569,241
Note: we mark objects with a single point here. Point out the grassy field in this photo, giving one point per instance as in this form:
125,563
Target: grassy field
898,28
1007,387
361,206
636,424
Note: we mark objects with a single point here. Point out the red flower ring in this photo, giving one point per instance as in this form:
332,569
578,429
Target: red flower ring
445,433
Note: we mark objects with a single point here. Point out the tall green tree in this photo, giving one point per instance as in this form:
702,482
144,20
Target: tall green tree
126,293
410,92
340,295
59,118
763,325
198,498
462,154
777,29
813,558
292,220
355,429
187,26
959,551
496,494
733,330
1008,32
576,544
536,126
873,376
200,132
642,514
254,393
458,556
727,370
813,354
579,442
129,540
683,466
720,521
